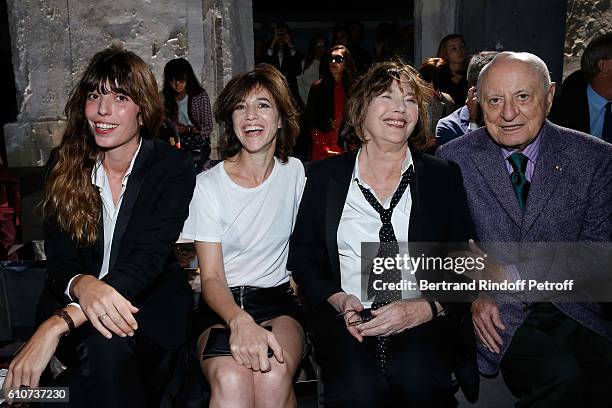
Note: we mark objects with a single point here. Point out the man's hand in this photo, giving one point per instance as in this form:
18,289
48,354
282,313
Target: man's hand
487,322
473,107
105,308
350,307
396,317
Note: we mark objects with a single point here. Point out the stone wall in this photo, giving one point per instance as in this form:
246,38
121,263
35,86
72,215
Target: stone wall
53,40
433,19
586,19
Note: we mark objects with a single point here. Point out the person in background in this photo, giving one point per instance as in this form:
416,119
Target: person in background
387,42
10,209
469,116
341,36
453,79
187,108
310,72
405,49
241,216
325,108
361,56
441,103
116,305
261,50
283,55
585,102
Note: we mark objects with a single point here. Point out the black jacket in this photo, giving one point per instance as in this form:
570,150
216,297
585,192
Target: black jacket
142,265
571,107
439,213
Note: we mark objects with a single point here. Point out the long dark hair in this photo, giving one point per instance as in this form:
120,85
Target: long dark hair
444,65
321,108
178,69
269,78
69,196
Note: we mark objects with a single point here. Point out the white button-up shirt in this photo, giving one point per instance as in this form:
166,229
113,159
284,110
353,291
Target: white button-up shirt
360,222
109,211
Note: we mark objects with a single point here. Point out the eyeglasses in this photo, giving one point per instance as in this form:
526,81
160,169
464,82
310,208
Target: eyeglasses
320,45
354,318
337,58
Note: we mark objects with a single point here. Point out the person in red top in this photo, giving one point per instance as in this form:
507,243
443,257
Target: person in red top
325,107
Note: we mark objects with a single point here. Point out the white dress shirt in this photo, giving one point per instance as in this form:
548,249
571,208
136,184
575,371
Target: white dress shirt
361,223
109,211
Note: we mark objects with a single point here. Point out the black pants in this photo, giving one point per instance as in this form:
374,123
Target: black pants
116,372
553,361
418,372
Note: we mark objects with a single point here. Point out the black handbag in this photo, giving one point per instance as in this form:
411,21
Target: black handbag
192,140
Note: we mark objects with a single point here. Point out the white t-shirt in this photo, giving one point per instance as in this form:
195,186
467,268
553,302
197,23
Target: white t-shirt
253,225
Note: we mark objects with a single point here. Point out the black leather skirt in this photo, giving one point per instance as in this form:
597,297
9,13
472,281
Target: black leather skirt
261,303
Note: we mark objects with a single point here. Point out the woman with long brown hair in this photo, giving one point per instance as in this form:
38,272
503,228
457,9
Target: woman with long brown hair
453,77
114,203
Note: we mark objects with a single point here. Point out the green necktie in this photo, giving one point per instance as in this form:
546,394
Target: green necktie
518,178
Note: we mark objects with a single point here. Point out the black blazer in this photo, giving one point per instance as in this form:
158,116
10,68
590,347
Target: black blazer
439,214
571,107
142,265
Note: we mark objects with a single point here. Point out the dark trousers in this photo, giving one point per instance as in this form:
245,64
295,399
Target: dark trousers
553,361
418,370
116,372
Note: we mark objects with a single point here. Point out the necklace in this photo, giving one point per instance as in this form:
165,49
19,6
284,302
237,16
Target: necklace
109,174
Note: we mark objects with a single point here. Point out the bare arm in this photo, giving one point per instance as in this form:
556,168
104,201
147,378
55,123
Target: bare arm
249,342
31,360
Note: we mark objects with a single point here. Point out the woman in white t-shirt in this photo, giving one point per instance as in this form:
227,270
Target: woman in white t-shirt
241,217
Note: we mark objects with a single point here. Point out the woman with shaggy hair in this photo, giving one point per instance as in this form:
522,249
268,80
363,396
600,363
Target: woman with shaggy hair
116,304
378,347
243,210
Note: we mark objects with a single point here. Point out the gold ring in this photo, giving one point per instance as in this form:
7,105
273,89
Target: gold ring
102,317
